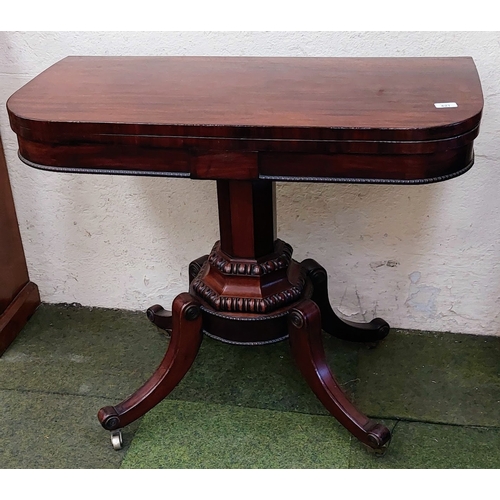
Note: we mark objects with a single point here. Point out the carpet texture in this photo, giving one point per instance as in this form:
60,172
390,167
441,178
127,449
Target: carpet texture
242,407
178,435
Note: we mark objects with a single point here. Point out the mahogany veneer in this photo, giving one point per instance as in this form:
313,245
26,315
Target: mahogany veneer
19,297
246,122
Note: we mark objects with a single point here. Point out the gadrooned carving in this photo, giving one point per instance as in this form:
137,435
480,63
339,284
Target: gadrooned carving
250,305
240,267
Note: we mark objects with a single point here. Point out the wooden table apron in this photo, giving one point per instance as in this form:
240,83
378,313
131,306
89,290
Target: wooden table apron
246,123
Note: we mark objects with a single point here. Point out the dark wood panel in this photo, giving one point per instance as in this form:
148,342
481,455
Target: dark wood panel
17,314
18,296
237,166
13,271
105,156
90,149
343,167
250,165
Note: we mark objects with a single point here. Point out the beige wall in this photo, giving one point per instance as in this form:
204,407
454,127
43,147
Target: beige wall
119,242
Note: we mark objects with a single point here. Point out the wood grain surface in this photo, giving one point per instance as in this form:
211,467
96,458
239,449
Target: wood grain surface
18,296
150,115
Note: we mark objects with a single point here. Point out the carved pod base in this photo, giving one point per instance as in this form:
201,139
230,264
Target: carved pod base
255,286
250,328
234,328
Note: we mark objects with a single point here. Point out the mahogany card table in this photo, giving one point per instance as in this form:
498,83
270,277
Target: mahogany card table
247,122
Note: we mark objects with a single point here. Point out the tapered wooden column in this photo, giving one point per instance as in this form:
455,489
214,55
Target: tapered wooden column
18,296
247,218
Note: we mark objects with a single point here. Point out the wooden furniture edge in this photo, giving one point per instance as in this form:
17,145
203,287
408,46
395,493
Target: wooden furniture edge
456,162
17,314
38,128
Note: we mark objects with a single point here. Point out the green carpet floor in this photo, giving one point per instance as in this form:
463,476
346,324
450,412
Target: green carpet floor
241,407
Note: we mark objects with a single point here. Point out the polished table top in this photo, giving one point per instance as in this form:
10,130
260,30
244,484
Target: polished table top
391,120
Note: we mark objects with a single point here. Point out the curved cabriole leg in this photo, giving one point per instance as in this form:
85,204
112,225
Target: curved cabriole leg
195,267
160,317
376,329
182,350
304,326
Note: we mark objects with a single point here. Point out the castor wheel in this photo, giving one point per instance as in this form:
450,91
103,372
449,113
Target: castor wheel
117,439
379,452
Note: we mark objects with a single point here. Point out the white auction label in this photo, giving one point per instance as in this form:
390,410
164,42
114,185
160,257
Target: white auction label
446,105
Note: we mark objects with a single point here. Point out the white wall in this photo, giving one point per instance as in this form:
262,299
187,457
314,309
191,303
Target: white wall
120,242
